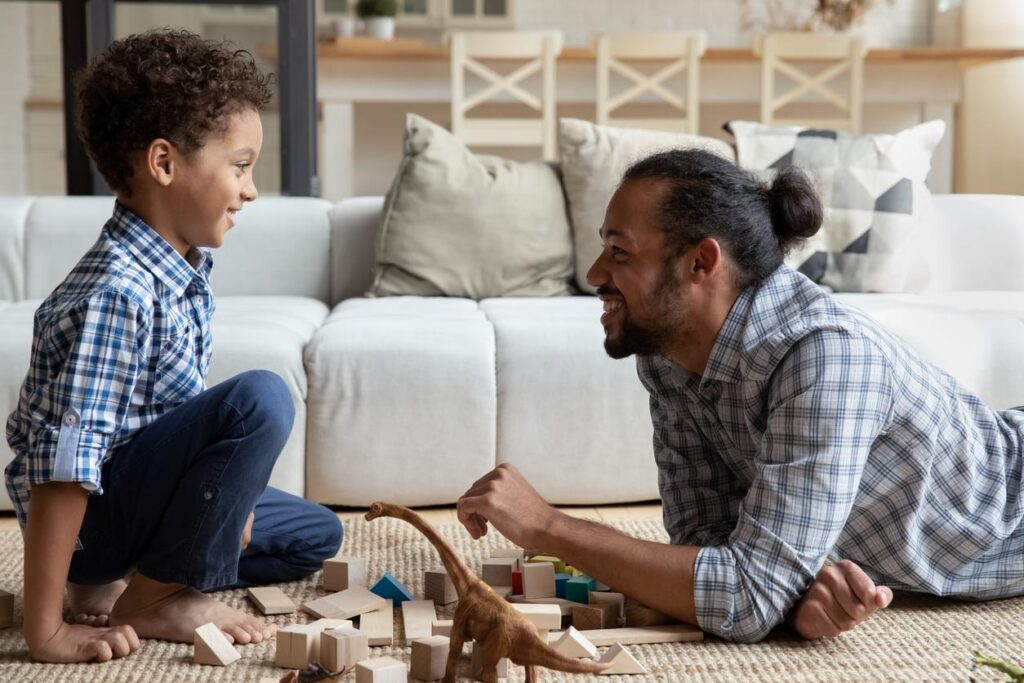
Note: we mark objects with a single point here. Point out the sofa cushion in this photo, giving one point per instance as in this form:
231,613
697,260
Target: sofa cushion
248,333
401,401
460,224
593,160
573,420
874,194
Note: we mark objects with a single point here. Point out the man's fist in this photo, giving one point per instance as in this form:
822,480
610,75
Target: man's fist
840,598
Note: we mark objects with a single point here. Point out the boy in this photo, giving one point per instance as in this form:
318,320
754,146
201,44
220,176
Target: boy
115,403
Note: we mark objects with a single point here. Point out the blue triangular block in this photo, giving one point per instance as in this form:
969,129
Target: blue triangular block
391,588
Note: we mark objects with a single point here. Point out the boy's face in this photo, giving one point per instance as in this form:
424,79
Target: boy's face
217,180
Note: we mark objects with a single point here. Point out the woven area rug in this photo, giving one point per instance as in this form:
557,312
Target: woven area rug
917,639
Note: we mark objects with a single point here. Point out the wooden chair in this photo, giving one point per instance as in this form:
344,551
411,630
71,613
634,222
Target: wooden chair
777,52
683,51
539,50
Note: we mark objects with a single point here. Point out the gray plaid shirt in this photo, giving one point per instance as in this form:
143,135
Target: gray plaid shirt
813,433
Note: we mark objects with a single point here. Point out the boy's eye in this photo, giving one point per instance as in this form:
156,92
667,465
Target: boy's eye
244,165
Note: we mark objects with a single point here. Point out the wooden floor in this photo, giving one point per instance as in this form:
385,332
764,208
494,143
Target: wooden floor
446,515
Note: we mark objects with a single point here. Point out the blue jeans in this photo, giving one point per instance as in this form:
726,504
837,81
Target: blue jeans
177,496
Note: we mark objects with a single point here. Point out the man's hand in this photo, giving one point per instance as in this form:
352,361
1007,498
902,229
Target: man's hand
247,531
841,598
78,643
505,499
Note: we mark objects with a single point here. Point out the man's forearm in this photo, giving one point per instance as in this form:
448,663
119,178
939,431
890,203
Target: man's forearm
55,518
659,575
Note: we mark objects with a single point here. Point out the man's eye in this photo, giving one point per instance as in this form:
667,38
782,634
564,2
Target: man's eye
618,253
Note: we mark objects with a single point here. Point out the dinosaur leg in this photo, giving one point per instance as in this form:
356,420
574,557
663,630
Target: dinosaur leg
455,642
531,674
489,674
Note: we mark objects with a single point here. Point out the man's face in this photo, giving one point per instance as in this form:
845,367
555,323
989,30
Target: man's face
644,302
217,181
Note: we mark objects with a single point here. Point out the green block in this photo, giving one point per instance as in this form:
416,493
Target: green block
578,589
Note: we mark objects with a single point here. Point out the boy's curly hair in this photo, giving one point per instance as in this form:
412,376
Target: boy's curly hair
161,84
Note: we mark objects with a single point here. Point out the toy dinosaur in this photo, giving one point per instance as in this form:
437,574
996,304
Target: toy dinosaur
498,629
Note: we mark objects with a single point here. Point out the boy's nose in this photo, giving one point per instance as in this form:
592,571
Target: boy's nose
249,192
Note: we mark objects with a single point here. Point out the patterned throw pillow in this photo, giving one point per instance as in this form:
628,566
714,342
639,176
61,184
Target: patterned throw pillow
874,194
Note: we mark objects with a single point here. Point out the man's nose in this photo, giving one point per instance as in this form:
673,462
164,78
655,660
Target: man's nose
598,274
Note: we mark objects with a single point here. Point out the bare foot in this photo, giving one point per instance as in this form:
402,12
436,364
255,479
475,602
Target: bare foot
91,605
167,611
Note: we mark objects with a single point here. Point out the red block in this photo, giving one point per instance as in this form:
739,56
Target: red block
517,582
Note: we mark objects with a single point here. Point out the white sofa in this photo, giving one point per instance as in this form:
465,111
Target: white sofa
411,399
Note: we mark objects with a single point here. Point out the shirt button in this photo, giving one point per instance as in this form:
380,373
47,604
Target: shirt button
70,420
207,495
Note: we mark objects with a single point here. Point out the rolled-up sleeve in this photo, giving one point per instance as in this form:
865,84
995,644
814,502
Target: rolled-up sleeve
95,346
829,399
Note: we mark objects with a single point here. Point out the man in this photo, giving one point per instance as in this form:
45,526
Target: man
788,429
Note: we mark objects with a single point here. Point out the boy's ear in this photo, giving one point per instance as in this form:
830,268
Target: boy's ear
161,161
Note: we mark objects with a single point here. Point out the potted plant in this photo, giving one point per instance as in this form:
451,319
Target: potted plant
378,17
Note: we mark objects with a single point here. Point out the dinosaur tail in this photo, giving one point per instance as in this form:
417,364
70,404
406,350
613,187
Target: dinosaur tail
453,564
541,654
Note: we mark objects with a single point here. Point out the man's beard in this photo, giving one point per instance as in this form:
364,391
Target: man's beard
655,339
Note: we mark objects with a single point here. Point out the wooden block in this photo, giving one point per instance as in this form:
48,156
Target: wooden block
542,616
559,565
390,588
638,614
417,618
477,665
560,580
538,580
344,572
595,617
676,633
517,581
442,627
617,599
504,592
6,609
297,646
212,647
429,658
346,604
381,670
270,600
564,605
497,571
342,648
622,662
517,553
329,624
438,586
379,626
572,643
578,589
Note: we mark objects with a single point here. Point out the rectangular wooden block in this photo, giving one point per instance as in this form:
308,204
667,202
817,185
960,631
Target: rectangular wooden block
442,627
560,566
538,580
343,648
676,633
497,571
617,599
270,600
6,609
344,572
477,665
503,591
417,617
542,616
346,604
379,626
565,605
639,614
578,589
595,617
429,658
438,586
381,670
297,645
517,553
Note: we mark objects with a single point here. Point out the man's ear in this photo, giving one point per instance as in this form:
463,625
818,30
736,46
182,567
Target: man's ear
707,258
161,161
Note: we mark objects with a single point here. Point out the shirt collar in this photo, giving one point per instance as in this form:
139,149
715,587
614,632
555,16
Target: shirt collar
724,362
155,254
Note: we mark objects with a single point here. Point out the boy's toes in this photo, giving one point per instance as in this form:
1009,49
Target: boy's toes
238,633
91,619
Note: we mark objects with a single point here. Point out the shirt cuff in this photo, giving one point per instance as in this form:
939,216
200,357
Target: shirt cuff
68,454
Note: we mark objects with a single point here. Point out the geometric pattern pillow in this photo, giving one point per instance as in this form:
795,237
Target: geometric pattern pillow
872,188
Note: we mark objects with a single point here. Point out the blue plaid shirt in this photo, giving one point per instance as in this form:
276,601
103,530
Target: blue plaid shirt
125,338
815,434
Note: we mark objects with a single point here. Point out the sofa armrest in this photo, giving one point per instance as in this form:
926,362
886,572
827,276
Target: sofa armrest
354,224
980,243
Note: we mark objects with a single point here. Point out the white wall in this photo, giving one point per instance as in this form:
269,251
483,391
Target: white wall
14,84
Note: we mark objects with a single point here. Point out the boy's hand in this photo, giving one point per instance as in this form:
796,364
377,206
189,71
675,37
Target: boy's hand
78,643
841,598
247,531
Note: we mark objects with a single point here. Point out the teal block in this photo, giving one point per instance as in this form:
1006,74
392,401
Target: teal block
578,589
560,580
391,588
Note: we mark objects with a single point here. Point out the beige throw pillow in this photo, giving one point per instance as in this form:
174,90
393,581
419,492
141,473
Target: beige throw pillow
593,161
461,224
